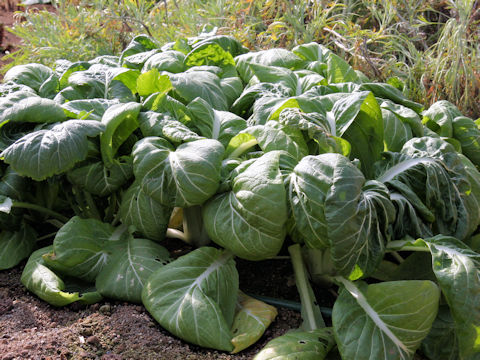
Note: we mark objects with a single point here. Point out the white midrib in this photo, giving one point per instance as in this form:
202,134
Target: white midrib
401,167
216,125
362,301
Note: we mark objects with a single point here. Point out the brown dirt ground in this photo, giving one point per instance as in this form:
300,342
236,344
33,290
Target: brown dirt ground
32,329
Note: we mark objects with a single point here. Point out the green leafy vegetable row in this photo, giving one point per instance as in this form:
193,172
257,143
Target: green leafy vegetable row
240,154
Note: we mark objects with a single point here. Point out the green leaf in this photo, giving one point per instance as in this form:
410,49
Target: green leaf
44,283
457,269
271,57
16,246
252,318
138,44
33,110
120,121
250,219
467,132
149,217
338,70
128,269
358,119
82,247
92,109
164,125
305,345
171,61
387,320
99,180
43,153
202,84
211,54
194,297
215,124
188,176
439,117
441,343
32,75
152,82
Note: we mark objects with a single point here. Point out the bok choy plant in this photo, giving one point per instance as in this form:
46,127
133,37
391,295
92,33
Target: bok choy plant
243,154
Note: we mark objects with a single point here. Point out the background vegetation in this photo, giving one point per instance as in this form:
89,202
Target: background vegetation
432,47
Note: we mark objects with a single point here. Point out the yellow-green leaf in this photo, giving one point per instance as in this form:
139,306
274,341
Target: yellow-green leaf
251,320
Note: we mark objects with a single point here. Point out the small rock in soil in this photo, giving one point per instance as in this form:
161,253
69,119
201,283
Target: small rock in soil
5,305
93,340
105,309
9,356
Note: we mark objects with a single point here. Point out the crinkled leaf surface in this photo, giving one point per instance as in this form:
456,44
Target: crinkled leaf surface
305,345
194,297
44,283
171,61
251,320
43,153
128,269
16,246
387,320
149,217
184,177
250,219
99,180
457,269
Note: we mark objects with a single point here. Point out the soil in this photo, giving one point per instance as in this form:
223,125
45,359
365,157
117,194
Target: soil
32,329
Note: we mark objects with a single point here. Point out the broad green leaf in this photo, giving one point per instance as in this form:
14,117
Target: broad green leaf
32,75
82,247
467,132
9,87
136,61
120,121
194,297
441,343
171,61
334,207
439,117
138,44
184,177
275,136
457,269
43,153
99,180
358,119
44,283
202,84
250,219
252,318
312,52
121,84
164,125
387,91
215,124
33,110
387,320
305,345
228,43
152,82
92,109
149,217
232,88
69,70
395,132
128,269
338,70
16,246
90,83
211,54
271,57
13,185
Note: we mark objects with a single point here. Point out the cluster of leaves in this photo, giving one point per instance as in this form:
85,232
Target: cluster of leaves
251,151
